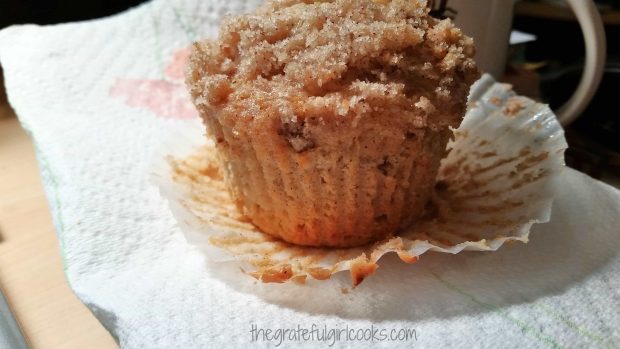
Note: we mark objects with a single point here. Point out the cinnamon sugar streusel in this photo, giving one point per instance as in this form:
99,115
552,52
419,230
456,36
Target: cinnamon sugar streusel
331,117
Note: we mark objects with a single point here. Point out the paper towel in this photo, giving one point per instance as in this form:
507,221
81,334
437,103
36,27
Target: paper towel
99,96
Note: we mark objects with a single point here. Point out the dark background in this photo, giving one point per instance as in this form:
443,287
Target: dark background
57,11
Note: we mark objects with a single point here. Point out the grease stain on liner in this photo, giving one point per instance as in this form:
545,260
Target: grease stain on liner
496,182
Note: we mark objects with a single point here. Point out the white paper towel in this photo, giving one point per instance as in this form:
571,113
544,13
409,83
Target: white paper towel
98,98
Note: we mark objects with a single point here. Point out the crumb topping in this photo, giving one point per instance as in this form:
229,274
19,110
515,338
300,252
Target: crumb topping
292,60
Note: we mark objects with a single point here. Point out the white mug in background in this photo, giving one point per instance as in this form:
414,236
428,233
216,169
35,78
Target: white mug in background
489,22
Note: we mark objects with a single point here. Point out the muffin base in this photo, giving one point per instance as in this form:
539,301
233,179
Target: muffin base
361,185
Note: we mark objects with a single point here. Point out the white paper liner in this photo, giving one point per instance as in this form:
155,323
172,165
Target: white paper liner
497,181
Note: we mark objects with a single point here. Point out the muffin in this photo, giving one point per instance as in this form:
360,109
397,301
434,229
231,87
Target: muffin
331,117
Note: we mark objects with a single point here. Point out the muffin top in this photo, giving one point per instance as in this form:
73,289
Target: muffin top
334,60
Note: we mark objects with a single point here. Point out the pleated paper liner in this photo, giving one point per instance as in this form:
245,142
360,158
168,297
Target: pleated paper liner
497,181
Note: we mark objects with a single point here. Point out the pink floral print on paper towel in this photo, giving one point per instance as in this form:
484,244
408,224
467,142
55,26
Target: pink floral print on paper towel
166,98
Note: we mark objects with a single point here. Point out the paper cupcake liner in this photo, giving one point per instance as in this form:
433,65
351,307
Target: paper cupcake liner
496,182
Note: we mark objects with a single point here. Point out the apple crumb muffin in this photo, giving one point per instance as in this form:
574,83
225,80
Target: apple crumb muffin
331,117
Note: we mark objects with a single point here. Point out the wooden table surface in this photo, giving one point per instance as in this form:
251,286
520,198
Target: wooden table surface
31,275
